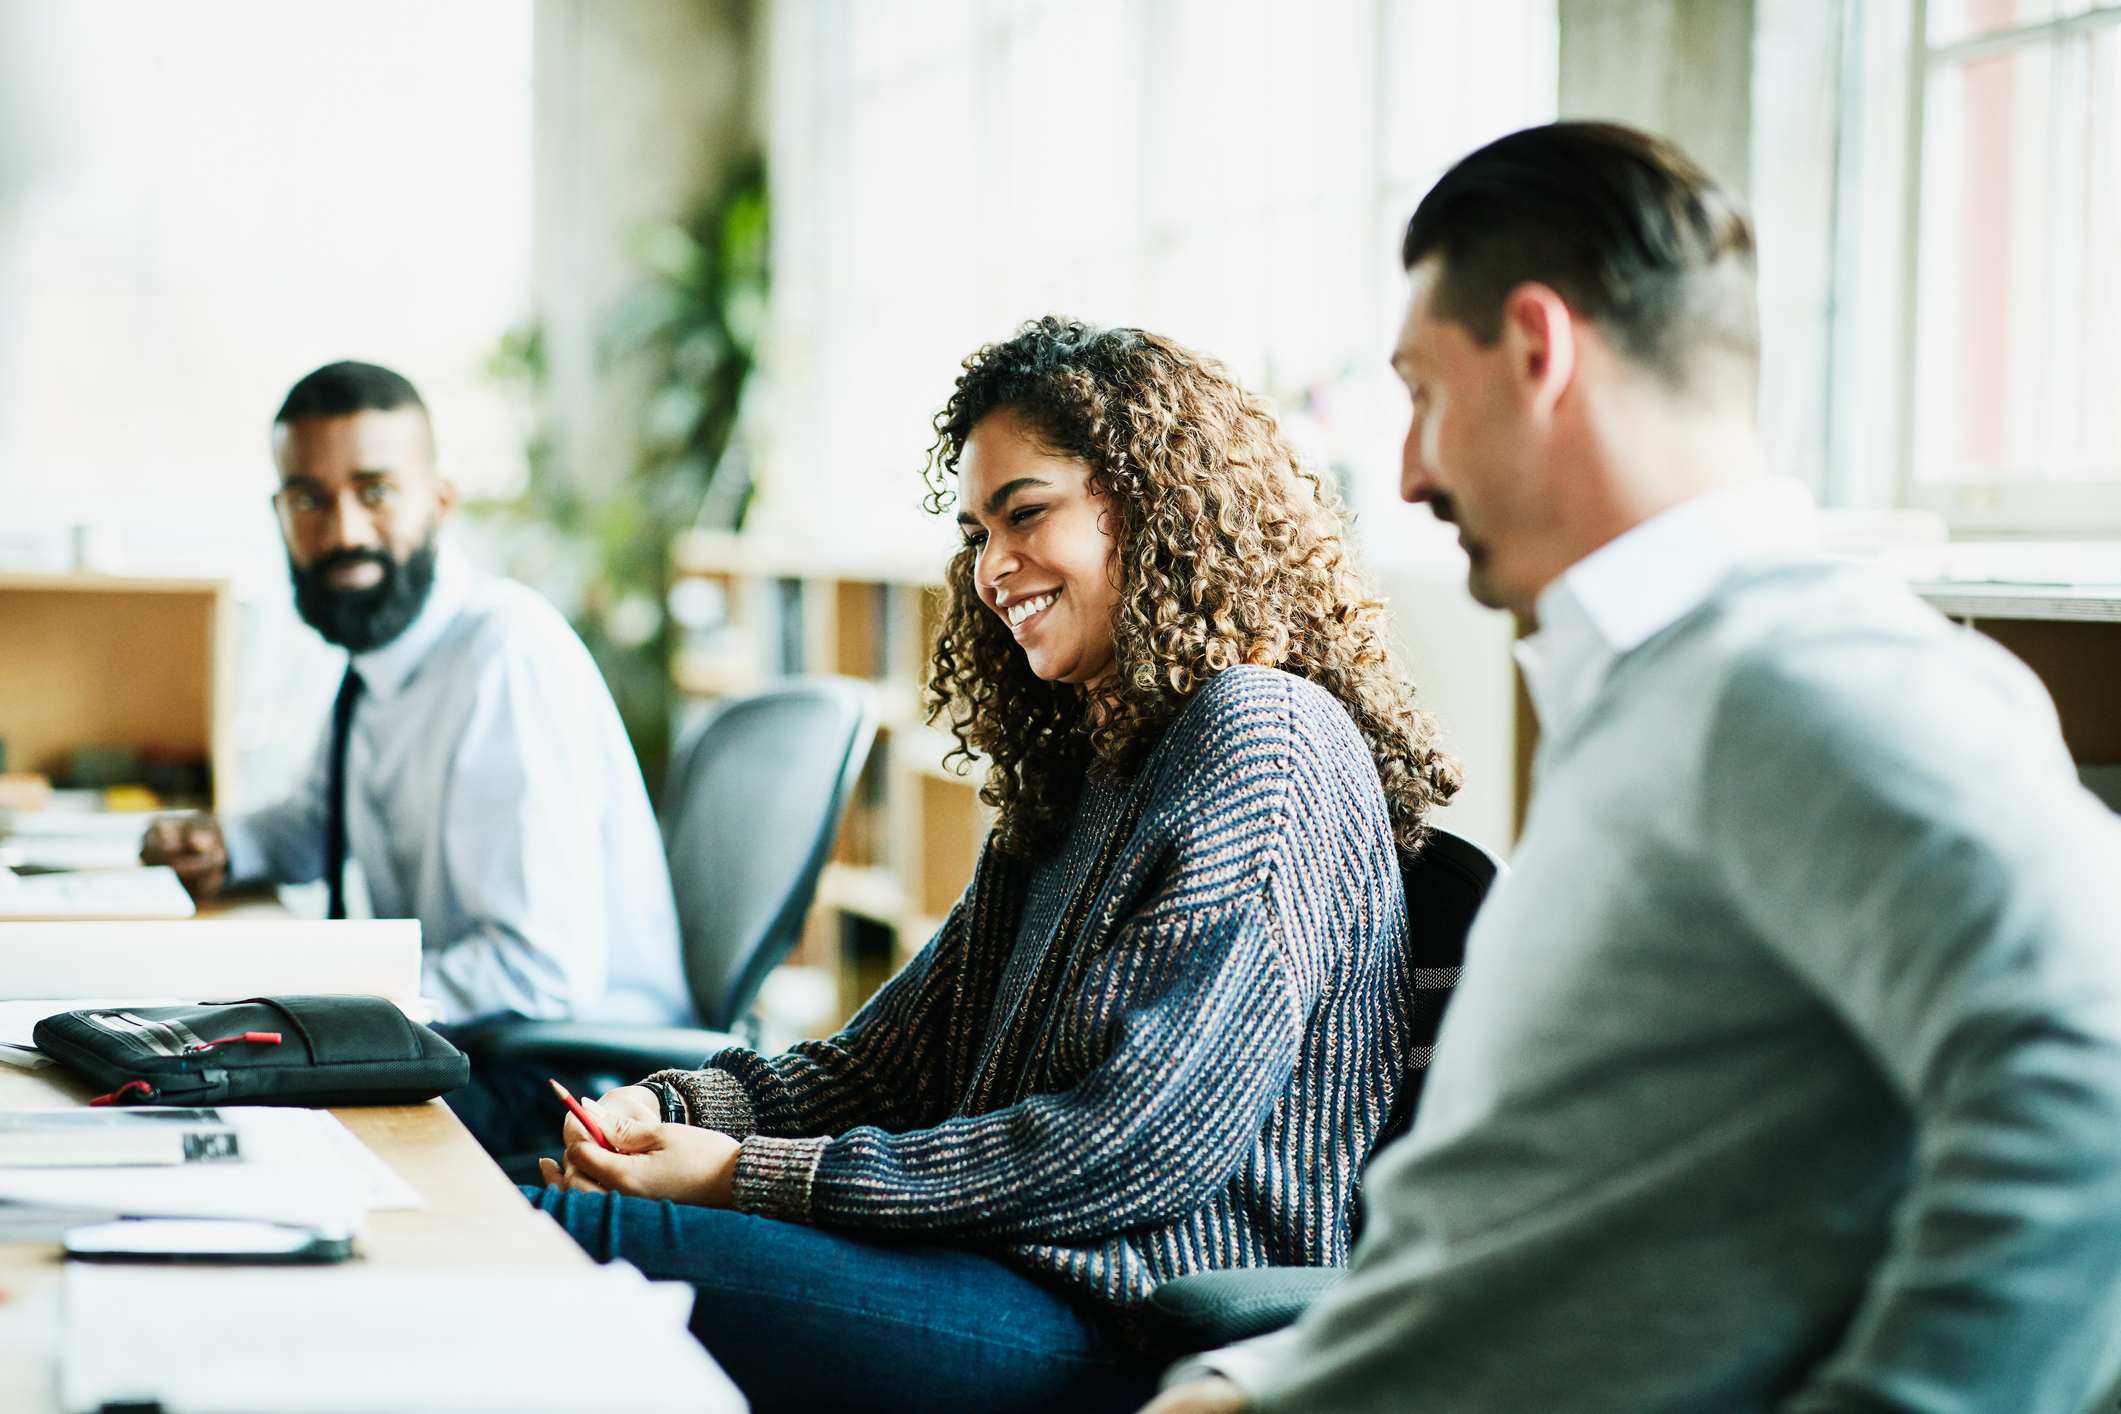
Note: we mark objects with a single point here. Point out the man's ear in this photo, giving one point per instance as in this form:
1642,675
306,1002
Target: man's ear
1539,335
445,497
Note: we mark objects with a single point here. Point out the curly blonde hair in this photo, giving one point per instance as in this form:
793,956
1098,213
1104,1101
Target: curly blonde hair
1229,551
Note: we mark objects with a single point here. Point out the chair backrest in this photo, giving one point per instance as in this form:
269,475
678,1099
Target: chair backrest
1445,885
753,801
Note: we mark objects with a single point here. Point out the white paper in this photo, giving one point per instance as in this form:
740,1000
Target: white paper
97,893
309,1197
351,1340
24,1057
211,957
29,1347
297,1166
78,815
308,1139
70,852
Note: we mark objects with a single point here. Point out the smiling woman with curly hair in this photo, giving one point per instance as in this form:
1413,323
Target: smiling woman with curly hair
1229,551
1164,1027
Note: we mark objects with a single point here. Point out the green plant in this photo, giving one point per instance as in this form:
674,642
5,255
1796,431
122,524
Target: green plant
692,329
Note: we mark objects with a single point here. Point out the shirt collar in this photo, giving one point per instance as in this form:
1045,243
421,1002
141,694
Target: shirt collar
386,669
1646,579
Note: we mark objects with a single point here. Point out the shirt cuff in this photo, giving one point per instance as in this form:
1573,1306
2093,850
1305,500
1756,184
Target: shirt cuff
714,1099
774,1177
246,857
1247,1365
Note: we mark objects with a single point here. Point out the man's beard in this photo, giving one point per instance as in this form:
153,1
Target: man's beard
360,619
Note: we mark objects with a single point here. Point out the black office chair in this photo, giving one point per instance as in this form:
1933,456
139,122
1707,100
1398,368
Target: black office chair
1445,886
751,807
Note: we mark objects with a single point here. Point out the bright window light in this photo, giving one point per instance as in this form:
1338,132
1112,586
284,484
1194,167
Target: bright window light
1232,173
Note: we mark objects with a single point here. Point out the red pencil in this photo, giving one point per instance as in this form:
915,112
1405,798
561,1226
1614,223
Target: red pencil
574,1107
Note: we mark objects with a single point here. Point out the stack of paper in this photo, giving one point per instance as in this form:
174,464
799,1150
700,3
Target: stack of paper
113,1137
66,836
300,1167
94,893
43,1205
285,1341
210,958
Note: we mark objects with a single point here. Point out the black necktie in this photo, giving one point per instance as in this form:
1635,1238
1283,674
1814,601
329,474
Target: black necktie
335,806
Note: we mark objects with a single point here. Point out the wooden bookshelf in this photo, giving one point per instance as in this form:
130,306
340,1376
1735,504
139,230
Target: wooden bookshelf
912,833
142,665
2069,635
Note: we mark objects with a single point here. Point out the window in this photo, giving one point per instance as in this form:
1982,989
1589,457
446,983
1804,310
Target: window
2003,320
1232,173
198,204
226,194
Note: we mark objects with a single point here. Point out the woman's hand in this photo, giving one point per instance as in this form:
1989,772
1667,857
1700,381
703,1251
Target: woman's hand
626,1102
680,1162
634,1101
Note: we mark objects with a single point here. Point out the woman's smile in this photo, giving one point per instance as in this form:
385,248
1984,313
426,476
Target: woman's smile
1021,614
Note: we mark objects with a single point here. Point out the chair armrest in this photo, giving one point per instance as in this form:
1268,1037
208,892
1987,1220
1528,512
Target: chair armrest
581,1047
1210,1309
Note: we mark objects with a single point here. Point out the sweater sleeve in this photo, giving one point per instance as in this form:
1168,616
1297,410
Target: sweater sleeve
885,1067
1200,1021
1959,919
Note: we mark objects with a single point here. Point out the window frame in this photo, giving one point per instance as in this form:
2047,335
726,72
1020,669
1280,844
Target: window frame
1884,131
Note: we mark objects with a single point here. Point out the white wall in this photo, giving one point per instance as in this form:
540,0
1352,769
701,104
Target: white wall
1458,655
1750,89
641,109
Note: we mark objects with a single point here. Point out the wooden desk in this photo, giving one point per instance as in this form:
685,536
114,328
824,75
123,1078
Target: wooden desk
246,902
474,1217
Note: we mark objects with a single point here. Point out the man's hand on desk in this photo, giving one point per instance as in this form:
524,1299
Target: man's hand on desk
681,1162
194,848
1213,1395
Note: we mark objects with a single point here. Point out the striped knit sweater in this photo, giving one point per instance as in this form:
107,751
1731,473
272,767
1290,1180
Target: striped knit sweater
1165,1049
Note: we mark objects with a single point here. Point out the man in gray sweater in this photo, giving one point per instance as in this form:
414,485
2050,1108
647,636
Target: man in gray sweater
1785,1072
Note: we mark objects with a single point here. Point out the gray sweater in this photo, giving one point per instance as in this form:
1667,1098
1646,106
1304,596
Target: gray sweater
1165,1048
1786,1068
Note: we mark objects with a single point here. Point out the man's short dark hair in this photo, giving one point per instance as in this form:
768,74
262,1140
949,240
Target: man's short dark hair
1625,227
345,388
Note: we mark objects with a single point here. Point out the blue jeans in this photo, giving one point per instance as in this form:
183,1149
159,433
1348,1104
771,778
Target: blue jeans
804,1318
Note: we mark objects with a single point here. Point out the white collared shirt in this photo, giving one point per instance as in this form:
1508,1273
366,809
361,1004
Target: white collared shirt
492,794
1646,579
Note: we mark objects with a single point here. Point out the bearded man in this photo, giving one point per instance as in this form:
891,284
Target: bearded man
474,764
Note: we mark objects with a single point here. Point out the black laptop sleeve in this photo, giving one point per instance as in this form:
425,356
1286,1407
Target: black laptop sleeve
263,1051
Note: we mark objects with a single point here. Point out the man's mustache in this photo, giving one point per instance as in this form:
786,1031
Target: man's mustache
320,570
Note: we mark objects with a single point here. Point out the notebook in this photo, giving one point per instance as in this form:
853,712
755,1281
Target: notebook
143,1136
